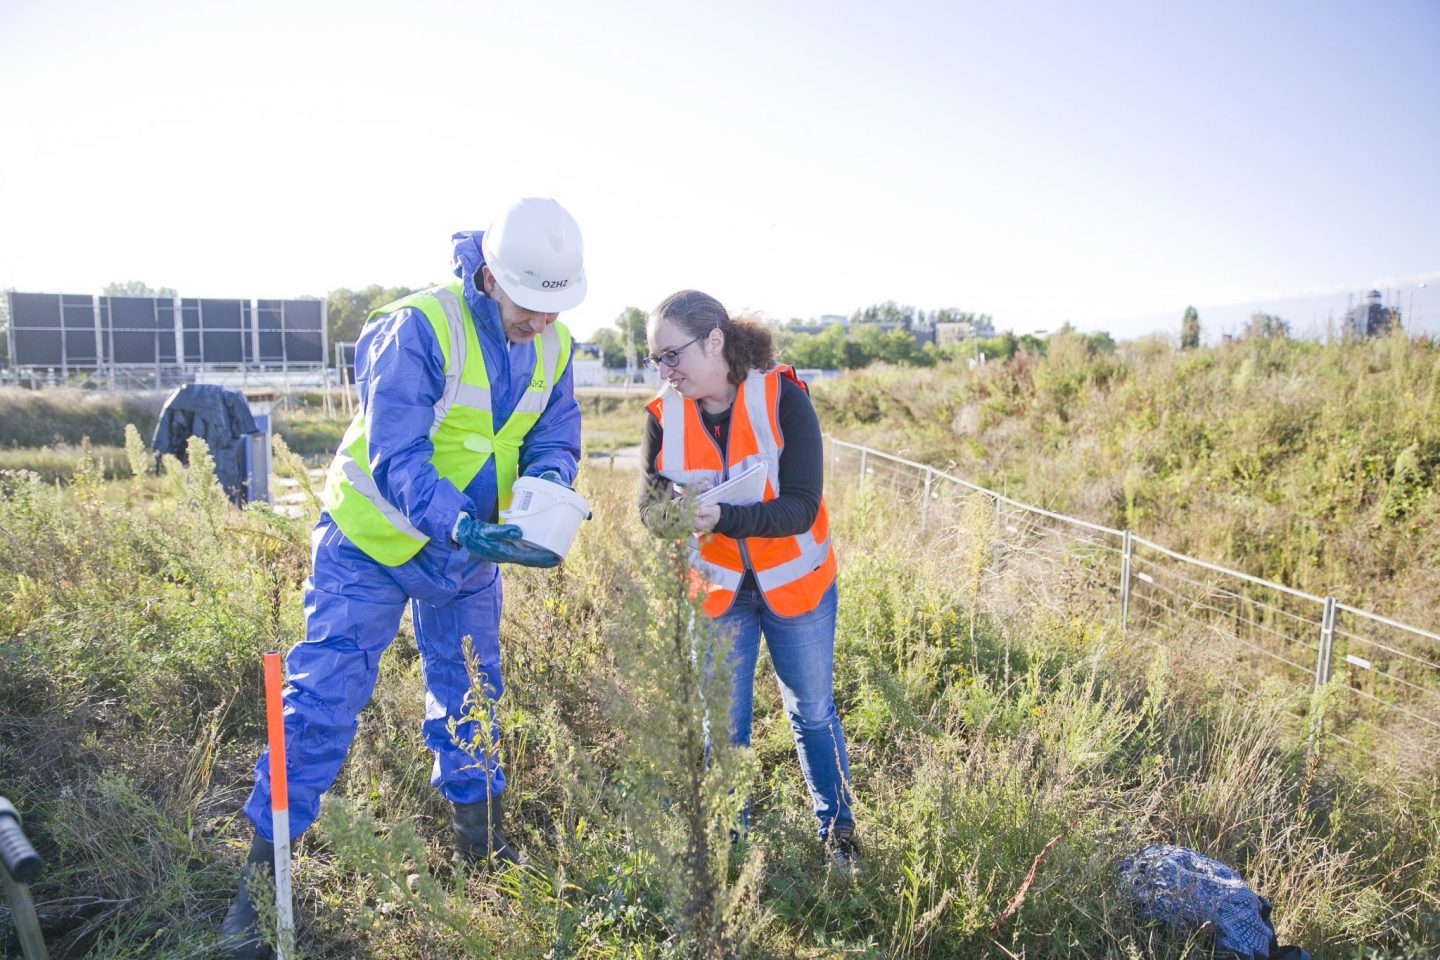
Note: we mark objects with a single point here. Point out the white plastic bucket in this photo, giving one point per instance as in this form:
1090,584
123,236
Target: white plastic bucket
547,513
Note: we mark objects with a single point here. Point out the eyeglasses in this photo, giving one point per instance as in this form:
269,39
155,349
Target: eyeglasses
670,357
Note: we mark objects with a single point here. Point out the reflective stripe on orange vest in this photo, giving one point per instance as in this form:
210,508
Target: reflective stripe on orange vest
793,573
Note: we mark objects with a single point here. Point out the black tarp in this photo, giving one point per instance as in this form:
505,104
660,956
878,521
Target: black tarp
218,416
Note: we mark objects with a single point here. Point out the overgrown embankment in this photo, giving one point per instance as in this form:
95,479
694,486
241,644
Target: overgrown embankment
1317,465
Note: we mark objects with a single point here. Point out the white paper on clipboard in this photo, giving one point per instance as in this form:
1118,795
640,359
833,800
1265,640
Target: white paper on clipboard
741,489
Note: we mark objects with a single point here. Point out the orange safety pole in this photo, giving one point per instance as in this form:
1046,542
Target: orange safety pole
279,802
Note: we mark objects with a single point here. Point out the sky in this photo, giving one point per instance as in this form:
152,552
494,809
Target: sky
1101,163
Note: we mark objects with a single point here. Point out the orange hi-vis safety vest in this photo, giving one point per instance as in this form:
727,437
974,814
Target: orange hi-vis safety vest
793,573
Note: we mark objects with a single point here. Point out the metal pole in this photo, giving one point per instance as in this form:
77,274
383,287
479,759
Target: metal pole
200,329
1127,549
155,314
177,331
925,505
253,306
279,804
104,338
999,532
1409,318
1322,666
346,365
863,452
284,344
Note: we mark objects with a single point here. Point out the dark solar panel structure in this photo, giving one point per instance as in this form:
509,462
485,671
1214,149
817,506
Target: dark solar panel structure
55,329
140,330
217,332
290,331
79,332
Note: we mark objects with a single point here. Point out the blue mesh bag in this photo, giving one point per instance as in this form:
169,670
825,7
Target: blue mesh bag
1186,891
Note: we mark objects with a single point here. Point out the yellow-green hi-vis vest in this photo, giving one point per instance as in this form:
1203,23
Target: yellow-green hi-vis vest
463,432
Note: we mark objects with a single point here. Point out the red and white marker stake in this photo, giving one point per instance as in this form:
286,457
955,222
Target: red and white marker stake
279,802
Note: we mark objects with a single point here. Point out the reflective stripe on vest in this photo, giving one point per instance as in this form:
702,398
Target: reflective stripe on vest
462,433
793,573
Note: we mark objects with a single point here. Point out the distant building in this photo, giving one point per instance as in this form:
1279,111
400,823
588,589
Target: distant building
818,325
1371,318
587,372
958,330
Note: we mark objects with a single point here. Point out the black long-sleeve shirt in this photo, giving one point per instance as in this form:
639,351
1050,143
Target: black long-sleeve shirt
802,462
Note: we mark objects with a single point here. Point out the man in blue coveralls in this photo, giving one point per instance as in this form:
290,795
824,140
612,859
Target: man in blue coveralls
463,388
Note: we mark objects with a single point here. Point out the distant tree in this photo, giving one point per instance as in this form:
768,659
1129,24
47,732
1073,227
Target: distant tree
897,346
612,347
135,288
825,350
1099,342
346,310
631,325
1001,347
887,312
1266,326
855,354
1030,343
627,335
1190,329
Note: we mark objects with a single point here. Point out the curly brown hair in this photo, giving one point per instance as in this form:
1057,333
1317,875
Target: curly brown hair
749,344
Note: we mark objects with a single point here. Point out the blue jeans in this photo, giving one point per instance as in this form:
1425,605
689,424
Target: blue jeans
803,651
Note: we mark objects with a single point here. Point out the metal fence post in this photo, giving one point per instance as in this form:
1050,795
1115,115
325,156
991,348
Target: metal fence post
999,532
1322,665
925,505
864,451
1127,548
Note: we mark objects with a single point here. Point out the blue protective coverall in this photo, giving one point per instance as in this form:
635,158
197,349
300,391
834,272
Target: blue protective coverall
353,604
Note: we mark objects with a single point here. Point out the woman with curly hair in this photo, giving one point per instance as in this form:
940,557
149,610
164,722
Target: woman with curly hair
767,566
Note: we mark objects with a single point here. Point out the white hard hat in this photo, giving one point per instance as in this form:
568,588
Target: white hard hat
535,252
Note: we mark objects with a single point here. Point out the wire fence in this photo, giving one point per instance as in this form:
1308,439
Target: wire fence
1350,675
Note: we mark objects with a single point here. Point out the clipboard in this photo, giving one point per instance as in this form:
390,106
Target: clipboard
741,489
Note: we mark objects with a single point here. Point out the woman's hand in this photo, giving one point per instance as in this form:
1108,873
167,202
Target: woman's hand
706,516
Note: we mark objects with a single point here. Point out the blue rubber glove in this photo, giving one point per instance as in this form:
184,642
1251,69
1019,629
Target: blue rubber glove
501,543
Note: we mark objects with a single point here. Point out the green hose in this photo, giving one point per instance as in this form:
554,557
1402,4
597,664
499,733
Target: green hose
27,925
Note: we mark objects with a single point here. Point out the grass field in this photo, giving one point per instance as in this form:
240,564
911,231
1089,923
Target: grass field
988,720
982,731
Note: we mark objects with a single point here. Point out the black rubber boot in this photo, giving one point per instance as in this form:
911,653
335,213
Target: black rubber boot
841,850
478,838
240,936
